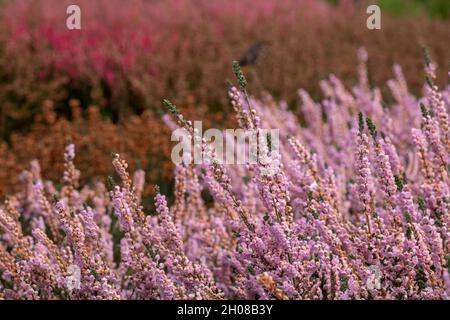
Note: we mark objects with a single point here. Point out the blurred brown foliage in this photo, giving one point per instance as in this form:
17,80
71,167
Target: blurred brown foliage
144,141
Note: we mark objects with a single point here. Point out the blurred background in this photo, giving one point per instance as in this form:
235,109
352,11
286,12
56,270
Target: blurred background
102,86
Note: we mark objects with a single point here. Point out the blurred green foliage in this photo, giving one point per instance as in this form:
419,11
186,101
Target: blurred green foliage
433,8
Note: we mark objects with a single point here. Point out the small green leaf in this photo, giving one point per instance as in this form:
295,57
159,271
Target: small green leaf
251,270
408,233
95,274
407,217
344,283
399,182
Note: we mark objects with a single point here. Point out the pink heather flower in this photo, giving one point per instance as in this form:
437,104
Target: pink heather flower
343,216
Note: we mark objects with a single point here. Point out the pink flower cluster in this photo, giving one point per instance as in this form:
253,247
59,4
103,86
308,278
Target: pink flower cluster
359,209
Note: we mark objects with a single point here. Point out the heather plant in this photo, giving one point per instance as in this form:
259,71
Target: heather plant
358,209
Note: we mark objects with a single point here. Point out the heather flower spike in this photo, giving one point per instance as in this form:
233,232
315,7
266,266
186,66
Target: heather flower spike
426,56
360,122
239,75
170,107
372,129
